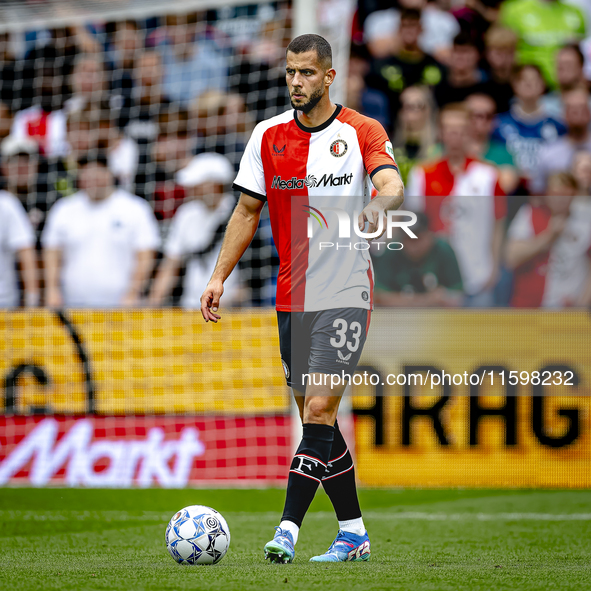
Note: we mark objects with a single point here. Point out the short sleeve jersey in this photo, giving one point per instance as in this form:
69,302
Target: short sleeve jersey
286,163
16,233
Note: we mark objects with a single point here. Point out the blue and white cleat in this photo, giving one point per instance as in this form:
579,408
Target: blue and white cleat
280,548
347,547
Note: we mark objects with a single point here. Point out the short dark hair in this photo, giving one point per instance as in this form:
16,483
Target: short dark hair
315,43
94,157
576,49
464,39
410,14
518,69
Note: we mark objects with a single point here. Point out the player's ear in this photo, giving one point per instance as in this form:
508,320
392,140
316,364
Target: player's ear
329,76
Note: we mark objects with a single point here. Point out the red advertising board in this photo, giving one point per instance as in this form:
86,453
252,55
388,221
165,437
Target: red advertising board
124,451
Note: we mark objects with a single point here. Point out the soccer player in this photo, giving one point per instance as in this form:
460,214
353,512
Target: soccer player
298,162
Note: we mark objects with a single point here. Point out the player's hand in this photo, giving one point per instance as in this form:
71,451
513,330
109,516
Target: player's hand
372,213
53,299
130,299
210,300
557,225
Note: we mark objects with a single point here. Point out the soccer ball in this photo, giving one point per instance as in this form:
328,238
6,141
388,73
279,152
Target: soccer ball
197,535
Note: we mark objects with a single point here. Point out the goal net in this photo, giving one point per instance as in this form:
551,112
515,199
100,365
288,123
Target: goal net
148,397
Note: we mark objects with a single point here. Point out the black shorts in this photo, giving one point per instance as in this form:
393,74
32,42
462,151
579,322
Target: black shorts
329,342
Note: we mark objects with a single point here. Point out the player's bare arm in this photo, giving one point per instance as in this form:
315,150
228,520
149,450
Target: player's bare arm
390,196
240,231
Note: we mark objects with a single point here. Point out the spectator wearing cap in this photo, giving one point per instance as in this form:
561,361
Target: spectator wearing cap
196,232
549,248
559,155
463,77
17,238
99,243
424,273
526,127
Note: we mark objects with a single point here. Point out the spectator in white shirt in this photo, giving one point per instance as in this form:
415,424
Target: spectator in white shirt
99,243
196,232
17,241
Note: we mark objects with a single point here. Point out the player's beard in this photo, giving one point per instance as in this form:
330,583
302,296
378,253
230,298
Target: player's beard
314,99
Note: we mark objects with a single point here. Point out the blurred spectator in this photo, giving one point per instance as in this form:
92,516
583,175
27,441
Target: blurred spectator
424,273
17,239
170,153
5,120
258,75
9,74
549,247
148,100
88,83
222,124
45,121
191,65
358,69
543,26
463,76
500,47
581,170
559,154
127,44
98,244
406,66
481,108
476,17
148,107
415,131
464,201
569,74
196,232
439,28
526,127
20,163
94,128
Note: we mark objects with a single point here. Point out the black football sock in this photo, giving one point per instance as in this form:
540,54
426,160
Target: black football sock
339,479
307,469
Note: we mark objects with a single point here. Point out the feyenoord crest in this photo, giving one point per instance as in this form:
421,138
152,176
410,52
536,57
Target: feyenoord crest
338,148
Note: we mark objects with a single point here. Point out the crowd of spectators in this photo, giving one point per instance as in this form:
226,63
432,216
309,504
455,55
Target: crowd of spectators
119,139
488,107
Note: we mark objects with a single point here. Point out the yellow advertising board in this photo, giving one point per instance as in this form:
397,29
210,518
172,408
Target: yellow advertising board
510,427
144,361
505,398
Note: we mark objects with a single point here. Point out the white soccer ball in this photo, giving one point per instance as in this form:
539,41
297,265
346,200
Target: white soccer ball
197,535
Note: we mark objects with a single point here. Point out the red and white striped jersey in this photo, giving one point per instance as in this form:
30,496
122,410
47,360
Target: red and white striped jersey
305,174
557,277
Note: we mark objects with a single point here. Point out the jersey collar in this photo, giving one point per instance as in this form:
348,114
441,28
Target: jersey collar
318,127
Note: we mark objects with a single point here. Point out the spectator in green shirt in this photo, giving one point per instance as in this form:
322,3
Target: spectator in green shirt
423,274
543,27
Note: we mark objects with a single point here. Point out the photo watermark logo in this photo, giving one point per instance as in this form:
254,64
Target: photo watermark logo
400,219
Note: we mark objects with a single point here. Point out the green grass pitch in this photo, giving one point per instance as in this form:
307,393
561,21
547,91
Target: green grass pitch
438,540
